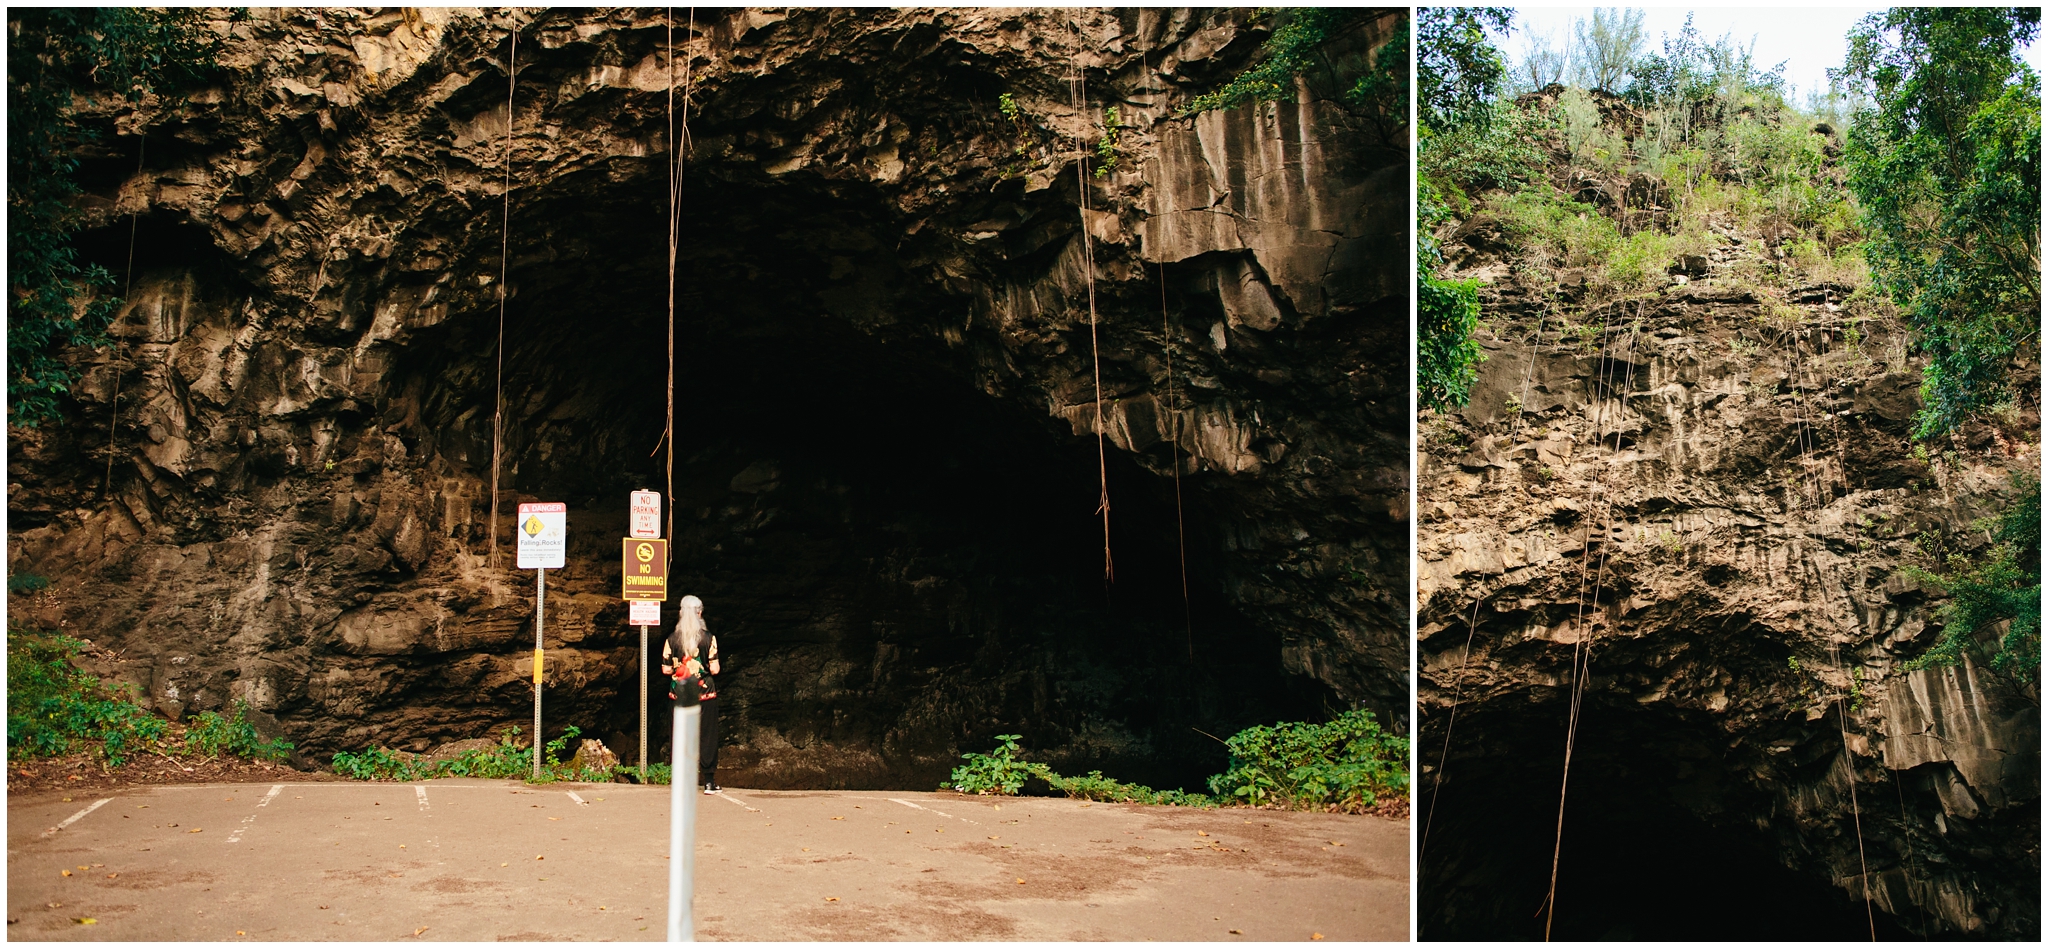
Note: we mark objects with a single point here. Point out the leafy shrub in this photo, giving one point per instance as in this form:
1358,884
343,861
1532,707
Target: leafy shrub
505,760
377,764
1345,764
211,734
53,706
26,583
998,772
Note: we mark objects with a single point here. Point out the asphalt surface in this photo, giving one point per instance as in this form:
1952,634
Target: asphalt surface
464,859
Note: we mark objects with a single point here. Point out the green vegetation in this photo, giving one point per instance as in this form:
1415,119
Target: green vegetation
506,759
1298,48
2003,586
1458,75
55,708
212,734
1946,165
1105,147
1347,764
55,55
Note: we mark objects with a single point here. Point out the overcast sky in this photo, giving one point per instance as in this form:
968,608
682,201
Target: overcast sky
1808,39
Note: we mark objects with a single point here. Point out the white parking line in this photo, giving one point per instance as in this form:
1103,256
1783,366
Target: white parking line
728,796
236,837
422,792
933,810
73,819
573,797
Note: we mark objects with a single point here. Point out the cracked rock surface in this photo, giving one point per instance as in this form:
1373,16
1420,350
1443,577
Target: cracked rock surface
1711,506
277,485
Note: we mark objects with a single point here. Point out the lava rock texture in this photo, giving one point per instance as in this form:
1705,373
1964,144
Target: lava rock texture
1710,494
277,485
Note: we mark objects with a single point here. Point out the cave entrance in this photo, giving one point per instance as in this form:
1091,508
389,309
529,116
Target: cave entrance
1661,840
900,556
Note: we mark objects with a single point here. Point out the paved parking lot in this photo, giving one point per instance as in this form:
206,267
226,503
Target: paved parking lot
461,859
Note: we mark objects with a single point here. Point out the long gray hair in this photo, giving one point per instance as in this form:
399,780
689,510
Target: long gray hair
689,634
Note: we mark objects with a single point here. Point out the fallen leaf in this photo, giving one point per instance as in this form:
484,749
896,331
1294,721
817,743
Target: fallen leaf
1237,932
240,933
1201,832
1336,843
65,872
99,866
504,864
807,850
557,818
600,907
85,920
195,830
67,799
54,905
401,846
992,837
831,899
424,929
1020,879
1315,935
112,875
83,867
323,907
539,858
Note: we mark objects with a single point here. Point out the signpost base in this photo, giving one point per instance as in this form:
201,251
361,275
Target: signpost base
682,827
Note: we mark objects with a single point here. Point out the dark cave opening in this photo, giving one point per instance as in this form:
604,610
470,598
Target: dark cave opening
1661,841
896,561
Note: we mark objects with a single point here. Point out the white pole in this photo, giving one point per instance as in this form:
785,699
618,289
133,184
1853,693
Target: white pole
643,705
540,616
682,827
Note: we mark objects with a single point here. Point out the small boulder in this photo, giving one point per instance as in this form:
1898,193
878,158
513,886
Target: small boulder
593,755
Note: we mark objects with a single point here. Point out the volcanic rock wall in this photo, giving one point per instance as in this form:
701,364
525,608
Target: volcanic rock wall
276,486
1709,495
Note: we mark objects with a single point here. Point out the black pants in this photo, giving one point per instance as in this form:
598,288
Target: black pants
707,744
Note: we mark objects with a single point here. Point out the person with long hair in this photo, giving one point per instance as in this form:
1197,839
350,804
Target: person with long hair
691,638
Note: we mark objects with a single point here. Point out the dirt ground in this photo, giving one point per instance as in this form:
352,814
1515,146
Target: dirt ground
84,773
462,859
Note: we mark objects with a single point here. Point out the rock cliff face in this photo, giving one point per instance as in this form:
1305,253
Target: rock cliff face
277,485
1707,496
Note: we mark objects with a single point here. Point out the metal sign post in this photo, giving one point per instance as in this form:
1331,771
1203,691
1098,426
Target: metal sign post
643,598
643,613
540,618
682,827
543,544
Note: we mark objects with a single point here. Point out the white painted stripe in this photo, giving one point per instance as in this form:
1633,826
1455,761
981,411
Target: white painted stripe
422,792
572,796
236,837
933,810
728,796
73,819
